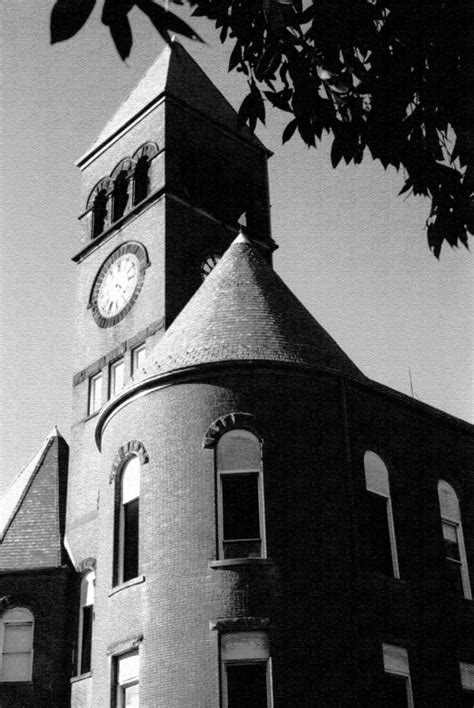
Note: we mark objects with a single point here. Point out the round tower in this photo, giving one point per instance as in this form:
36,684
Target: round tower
236,510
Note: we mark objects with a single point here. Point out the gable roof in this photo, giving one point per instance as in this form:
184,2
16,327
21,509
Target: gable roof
11,500
244,311
177,74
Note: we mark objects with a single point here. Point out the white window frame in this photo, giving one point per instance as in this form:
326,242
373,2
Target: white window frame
114,366
27,620
121,512
467,676
261,498
251,648
133,680
95,401
87,598
450,514
136,352
377,482
395,663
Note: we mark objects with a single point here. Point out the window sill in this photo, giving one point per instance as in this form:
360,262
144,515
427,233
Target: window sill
81,677
4,682
231,562
133,581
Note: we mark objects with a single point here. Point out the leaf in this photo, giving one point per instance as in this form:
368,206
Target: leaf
122,35
67,18
337,151
289,131
252,109
281,99
114,10
236,56
165,21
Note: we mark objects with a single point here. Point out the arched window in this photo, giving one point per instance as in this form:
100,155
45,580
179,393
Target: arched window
120,195
16,642
141,179
99,213
84,644
456,561
128,521
378,522
240,496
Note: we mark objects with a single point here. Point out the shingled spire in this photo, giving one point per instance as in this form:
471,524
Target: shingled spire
244,311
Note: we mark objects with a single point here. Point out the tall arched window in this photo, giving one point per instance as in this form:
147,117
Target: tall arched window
16,643
85,623
120,195
240,496
456,561
99,213
128,521
378,520
141,179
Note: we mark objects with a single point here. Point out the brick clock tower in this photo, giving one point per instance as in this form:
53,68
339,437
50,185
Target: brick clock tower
165,186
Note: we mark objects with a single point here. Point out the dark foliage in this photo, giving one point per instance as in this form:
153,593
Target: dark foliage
387,77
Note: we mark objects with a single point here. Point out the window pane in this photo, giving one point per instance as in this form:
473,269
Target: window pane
238,450
17,637
130,696
17,667
131,480
86,644
95,393
130,543
240,506
117,371
454,573
396,691
377,537
246,685
138,358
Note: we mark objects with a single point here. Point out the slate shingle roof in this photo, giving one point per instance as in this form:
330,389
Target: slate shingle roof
244,311
177,74
11,499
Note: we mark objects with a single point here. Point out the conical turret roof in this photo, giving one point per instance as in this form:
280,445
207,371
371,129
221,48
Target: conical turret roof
176,74
244,311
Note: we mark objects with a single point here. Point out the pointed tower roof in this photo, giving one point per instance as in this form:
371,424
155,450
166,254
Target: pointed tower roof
244,311
176,74
11,499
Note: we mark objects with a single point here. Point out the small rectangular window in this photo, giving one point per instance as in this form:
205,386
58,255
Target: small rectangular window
116,377
397,683
95,393
138,357
127,669
467,683
453,557
16,645
246,671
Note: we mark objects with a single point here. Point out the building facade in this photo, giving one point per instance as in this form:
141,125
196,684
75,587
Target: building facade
250,522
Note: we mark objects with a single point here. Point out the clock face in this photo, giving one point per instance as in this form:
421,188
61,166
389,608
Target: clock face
118,284
207,264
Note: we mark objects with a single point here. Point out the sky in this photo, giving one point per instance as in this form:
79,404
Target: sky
352,250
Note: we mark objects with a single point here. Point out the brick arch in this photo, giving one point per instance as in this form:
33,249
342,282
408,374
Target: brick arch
148,150
132,447
229,421
9,602
125,165
106,184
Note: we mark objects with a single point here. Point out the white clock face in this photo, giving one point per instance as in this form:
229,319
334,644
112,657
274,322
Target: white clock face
118,285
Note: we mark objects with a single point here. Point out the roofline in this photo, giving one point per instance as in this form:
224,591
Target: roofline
47,445
35,570
95,150
170,378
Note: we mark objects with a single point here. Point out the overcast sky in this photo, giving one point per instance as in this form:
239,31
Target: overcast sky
351,250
